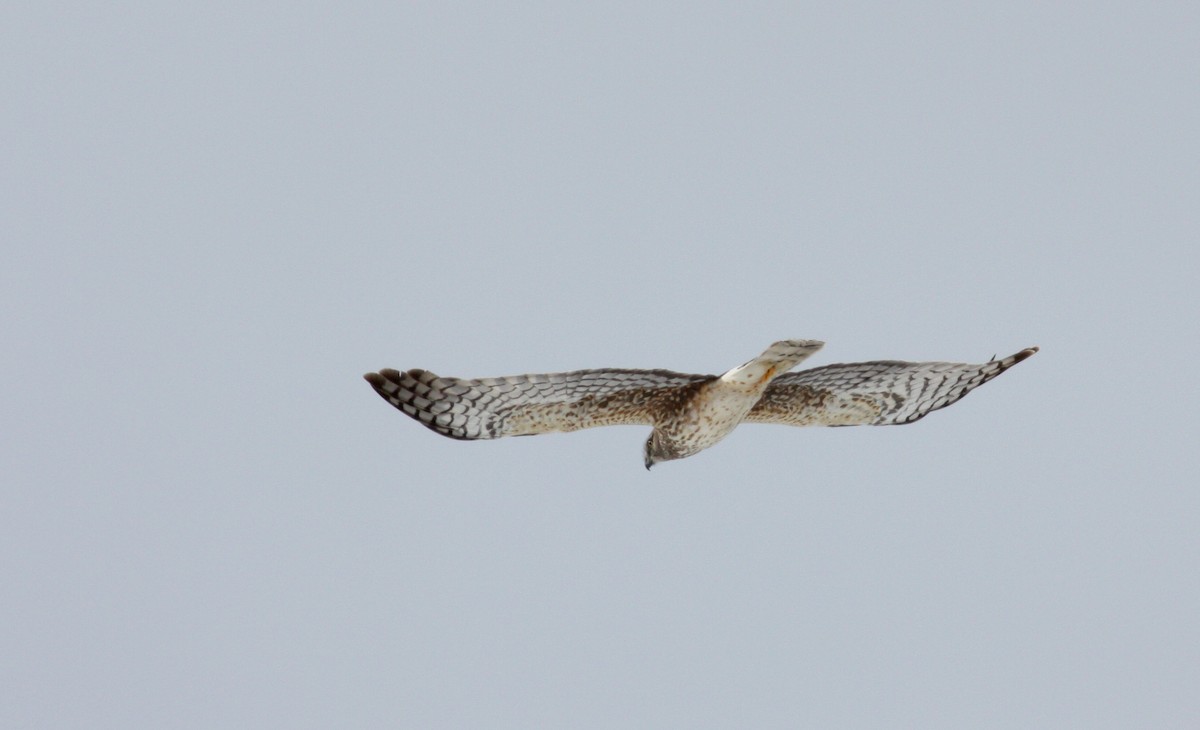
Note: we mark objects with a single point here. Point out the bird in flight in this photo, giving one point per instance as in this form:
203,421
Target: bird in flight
688,413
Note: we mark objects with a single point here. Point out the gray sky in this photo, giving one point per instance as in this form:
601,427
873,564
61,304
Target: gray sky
217,218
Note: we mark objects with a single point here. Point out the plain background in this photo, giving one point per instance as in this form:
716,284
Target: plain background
217,216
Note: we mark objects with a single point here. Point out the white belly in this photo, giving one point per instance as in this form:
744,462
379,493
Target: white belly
713,414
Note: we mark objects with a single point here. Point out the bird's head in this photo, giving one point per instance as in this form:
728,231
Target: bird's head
660,448
648,452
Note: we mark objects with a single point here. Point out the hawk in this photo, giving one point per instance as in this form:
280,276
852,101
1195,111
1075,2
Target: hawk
688,413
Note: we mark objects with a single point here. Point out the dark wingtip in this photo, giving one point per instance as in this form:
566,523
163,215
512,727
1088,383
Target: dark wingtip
381,378
1024,354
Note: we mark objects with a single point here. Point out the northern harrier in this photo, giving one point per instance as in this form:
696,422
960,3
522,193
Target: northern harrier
689,413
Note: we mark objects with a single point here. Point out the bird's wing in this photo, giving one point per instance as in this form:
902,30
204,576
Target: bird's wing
521,405
872,393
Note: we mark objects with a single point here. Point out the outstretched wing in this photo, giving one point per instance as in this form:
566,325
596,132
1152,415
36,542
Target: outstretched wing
521,405
872,393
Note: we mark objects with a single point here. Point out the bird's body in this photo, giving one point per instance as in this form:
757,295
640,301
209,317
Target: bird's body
710,411
689,413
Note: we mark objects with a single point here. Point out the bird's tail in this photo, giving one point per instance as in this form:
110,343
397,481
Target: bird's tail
775,360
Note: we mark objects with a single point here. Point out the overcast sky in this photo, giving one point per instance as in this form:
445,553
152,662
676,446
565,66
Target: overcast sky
216,217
